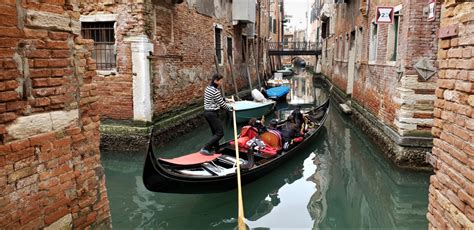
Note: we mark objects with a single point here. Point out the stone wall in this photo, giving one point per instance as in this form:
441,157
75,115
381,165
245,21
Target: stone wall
452,188
50,171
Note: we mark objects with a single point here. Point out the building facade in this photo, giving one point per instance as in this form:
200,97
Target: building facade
156,57
51,175
385,71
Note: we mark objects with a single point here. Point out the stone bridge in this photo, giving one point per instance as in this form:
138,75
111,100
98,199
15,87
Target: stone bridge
293,48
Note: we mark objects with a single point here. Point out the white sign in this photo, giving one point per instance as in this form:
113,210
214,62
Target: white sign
384,14
431,10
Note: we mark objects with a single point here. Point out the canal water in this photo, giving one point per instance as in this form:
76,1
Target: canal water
340,181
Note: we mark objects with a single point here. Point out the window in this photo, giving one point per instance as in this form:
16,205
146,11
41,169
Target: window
341,48
346,47
274,26
325,28
337,47
392,40
244,48
218,42
230,49
359,37
373,42
104,43
270,24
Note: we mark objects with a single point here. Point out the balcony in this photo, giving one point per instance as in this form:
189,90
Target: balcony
244,11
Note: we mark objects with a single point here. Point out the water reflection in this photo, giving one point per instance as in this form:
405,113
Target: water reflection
340,181
302,90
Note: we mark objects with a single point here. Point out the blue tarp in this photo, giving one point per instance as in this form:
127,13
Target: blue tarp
277,92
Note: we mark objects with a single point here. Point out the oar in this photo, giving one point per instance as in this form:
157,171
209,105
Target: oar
240,221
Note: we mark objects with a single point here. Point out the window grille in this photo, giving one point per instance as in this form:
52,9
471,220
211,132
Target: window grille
244,48
218,45
229,48
104,43
274,26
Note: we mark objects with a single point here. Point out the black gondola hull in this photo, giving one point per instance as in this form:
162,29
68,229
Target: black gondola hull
156,178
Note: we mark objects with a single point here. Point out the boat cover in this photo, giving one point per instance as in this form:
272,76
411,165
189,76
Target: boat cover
243,105
277,92
191,159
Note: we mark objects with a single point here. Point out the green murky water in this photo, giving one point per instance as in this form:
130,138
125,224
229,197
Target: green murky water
340,181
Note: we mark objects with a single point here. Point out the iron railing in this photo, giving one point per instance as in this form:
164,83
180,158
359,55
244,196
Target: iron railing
296,46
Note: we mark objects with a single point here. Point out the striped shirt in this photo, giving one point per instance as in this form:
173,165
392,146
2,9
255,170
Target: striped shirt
213,99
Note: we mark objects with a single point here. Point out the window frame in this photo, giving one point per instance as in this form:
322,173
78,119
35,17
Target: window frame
393,33
218,41
373,43
98,19
231,48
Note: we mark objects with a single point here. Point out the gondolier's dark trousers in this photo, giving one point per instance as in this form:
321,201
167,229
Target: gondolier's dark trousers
212,117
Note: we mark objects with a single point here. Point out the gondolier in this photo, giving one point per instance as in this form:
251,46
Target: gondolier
213,102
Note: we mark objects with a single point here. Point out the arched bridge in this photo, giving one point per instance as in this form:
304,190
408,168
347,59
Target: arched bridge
293,48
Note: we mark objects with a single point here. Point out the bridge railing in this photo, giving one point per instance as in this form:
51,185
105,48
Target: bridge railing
290,46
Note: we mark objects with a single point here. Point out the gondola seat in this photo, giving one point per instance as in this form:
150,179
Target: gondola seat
246,133
272,140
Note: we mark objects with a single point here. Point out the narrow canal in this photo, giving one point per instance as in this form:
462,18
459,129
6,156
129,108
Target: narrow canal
340,181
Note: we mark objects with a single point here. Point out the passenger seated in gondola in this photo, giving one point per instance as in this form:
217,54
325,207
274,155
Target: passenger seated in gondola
273,125
248,132
257,124
298,116
289,131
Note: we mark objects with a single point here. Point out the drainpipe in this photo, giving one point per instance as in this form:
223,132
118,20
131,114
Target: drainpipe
142,96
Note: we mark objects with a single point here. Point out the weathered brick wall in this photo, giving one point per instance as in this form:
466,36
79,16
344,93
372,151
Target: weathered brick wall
115,89
451,199
183,59
50,171
184,45
392,91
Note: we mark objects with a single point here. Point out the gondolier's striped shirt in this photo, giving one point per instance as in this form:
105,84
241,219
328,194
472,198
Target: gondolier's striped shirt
213,100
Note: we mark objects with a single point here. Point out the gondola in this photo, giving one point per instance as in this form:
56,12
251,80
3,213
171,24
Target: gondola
197,173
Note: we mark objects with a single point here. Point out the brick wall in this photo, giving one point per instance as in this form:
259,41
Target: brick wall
183,61
184,44
391,90
451,195
50,171
115,87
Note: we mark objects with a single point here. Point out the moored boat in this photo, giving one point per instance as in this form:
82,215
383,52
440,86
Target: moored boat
197,173
245,110
277,93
